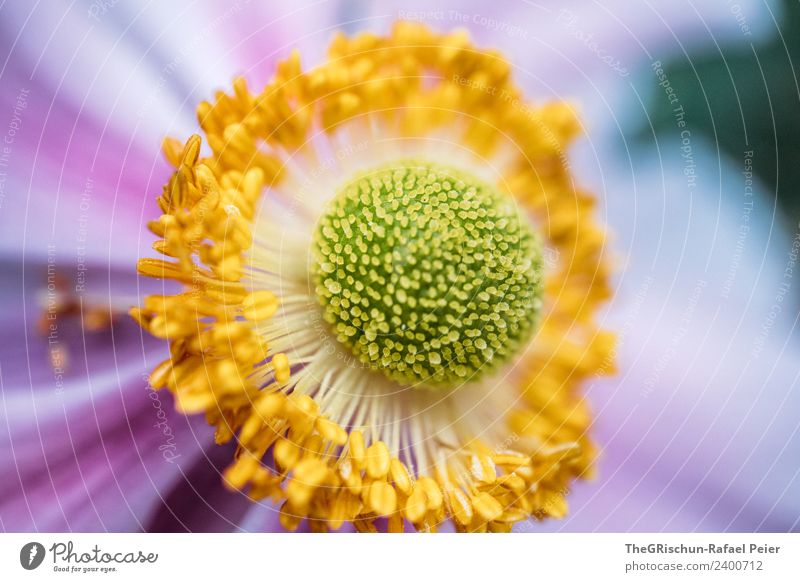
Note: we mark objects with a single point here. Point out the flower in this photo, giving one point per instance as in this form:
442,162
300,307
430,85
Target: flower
366,326
87,447
709,445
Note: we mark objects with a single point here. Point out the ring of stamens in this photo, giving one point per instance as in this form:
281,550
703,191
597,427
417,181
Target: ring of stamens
427,274
239,351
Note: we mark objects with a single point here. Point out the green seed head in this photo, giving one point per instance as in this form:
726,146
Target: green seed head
427,274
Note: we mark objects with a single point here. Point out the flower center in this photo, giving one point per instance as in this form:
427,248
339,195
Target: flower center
427,274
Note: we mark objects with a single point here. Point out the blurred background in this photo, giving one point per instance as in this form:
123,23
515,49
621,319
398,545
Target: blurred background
692,145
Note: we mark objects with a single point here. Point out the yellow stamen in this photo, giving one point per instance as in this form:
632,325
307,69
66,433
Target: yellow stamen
347,446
